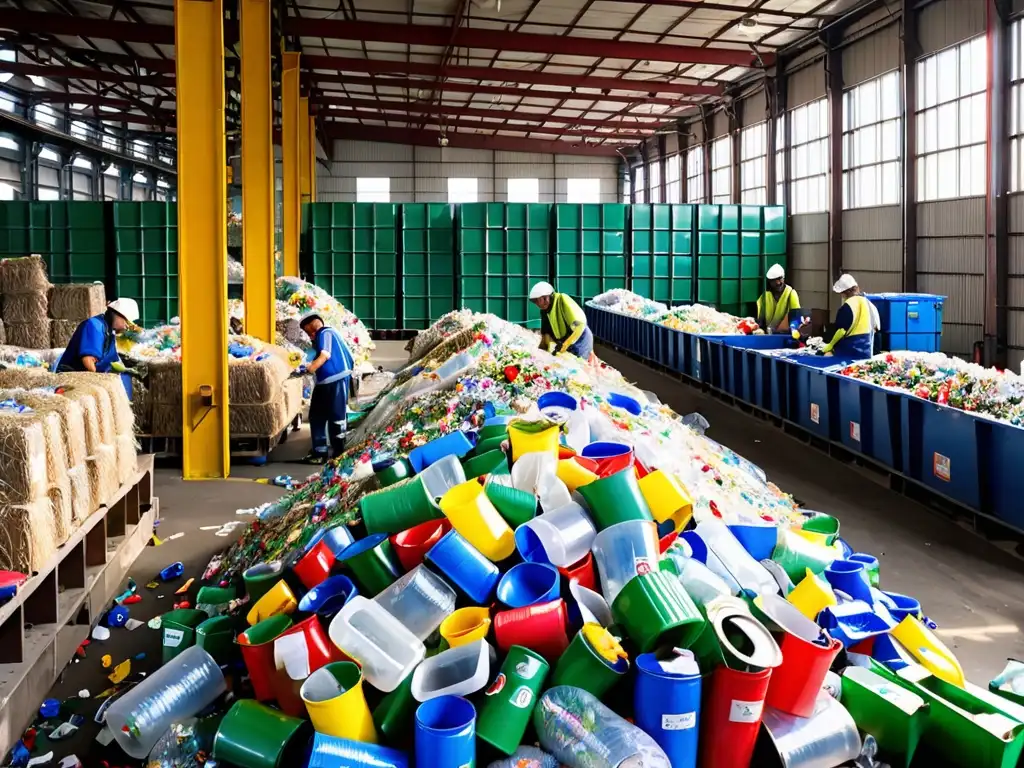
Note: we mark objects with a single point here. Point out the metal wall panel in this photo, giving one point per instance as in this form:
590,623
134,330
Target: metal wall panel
719,124
963,312
873,55
672,143
951,218
10,173
1015,211
806,84
752,109
371,151
946,23
882,223
808,259
951,255
809,228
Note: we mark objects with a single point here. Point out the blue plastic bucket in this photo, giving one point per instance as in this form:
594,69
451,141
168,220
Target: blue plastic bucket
557,400
446,733
849,576
758,540
335,752
667,707
625,403
905,605
329,596
457,444
529,584
464,566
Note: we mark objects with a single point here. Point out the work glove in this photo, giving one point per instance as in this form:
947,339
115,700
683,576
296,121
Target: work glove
298,373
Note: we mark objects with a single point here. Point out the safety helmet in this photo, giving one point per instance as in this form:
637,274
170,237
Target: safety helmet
775,271
309,317
541,289
844,283
126,308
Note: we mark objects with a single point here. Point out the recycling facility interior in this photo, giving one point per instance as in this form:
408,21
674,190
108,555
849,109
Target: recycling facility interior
889,131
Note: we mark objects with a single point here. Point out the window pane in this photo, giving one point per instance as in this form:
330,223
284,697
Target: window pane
374,190
462,191
589,190
523,190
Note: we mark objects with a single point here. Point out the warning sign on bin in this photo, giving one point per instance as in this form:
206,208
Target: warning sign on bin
940,466
815,413
855,431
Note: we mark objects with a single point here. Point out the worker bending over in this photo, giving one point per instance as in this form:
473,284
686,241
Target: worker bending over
93,346
856,322
328,409
563,324
778,309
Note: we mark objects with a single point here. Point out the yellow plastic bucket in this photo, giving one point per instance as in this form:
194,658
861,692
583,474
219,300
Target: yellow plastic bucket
465,626
527,438
812,595
929,650
278,599
334,698
476,519
574,474
667,498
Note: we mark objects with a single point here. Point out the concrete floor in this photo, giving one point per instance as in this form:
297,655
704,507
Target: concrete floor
972,589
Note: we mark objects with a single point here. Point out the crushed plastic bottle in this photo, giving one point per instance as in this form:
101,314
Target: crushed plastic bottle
527,757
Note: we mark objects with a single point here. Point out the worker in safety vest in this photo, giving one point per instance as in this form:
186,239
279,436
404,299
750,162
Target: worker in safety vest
778,309
856,322
328,407
563,325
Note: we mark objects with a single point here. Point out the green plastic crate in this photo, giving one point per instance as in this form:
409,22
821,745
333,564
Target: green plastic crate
427,216
730,243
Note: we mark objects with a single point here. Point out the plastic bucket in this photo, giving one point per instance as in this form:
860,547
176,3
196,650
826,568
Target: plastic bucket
314,566
329,596
666,498
560,537
583,665
666,705
655,610
821,529
905,605
758,540
257,646
466,625
456,444
179,630
308,639
795,683
731,717
615,498
581,572
372,564
278,599
541,628
216,636
252,735
509,700
260,578
441,476
527,584
394,714
392,471
465,567
588,606
870,565
331,752
812,595
473,515
484,464
336,704
560,401
337,538
460,671
492,443
215,596
796,554
398,507
533,437
574,474
849,577
610,457
446,732
420,600
623,552
514,505
626,403
411,545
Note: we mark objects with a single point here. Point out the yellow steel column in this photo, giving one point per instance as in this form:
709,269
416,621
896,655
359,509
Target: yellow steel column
202,236
257,169
291,160
312,158
304,170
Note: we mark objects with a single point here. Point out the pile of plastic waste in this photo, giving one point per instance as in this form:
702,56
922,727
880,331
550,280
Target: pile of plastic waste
523,560
625,302
296,297
947,381
700,318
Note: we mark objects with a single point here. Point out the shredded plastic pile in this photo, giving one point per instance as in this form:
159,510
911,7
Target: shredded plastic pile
628,303
947,381
700,318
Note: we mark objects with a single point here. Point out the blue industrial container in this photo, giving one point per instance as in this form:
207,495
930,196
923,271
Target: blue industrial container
813,395
940,449
1000,447
911,321
742,361
779,375
871,421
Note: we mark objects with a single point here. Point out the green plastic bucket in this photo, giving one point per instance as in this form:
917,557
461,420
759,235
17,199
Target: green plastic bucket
796,554
395,472
581,666
615,499
216,595
393,716
252,735
483,464
485,445
826,525
398,507
216,636
515,506
509,701
179,630
655,610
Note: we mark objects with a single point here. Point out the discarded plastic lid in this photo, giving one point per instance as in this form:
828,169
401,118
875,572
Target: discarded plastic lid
626,403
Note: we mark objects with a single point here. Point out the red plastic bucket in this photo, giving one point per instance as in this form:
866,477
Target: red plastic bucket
730,717
413,543
259,656
582,571
314,566
795,683
321,652
541,628
609,457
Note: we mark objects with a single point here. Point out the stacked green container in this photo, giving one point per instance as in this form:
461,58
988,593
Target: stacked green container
146,247
428,263
68,235
661,247
590,248
503,250
355,258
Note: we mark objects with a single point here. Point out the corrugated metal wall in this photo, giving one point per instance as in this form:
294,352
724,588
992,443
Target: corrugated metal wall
873,54
808,82
719,124
10,173
420,174
808,263
941,25
1015,288
873,247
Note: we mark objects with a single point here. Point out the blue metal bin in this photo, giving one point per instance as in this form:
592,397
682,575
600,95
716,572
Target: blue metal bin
1000,449
744,363
940,449
813,395
870,421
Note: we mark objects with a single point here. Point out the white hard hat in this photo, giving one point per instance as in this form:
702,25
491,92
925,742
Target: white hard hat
541,289
126,308
309,316
844,283
775,271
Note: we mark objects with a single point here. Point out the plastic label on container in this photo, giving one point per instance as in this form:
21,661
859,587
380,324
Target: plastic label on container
855,431
815,413
497,685
682,722
173,637
523,698
745,711
526,668
643,566
941,466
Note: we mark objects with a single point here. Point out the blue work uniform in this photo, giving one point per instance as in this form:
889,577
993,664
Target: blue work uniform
92,338
856,318
328,407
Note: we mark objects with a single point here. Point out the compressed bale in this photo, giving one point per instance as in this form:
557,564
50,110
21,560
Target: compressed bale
59,495
27,378
82,505
23,478
254,383
165,381
72,421
28,536
3,333
264,420
292,398
61,332
102,467
23,275
77,301
34,335
25,307
86,400
56,450
122,417
142,408
167,420
126,455
104,414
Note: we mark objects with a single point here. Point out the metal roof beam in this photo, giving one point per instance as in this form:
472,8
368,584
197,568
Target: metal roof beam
73,26
700,5
83,73
445,124
421,34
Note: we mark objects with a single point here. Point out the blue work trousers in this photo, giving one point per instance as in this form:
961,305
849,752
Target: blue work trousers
328,414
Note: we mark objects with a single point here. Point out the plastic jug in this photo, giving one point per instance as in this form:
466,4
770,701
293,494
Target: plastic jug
560,537
420,600
624,551
385,649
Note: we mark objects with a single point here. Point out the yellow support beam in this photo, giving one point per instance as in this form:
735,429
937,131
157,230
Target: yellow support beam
202,237
290,161
257,169
304,168
312,159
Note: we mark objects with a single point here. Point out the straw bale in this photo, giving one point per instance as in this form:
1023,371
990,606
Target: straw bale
69,413
293,398
27,378
77,301
104,412
142,408
25,307
122,417
254,383
23,477
34,335
86,400
28,536
166,420
127,452
264,420
102,469
53,433
59,495
165,381
82,505
61,332
3,333
23,275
